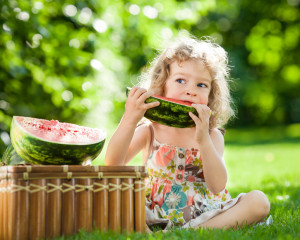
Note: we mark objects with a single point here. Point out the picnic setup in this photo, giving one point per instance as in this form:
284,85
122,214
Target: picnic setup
48,193
149,120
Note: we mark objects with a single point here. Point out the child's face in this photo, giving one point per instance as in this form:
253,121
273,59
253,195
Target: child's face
188,81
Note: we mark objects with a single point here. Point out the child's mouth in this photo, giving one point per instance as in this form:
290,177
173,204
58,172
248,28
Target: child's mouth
188,102
184,102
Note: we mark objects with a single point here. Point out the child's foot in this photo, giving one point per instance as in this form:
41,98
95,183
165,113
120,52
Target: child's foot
267,222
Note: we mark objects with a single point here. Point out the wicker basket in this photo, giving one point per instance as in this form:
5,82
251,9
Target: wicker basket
50,201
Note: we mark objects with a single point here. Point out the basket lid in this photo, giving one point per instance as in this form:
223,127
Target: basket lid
68,168
70,171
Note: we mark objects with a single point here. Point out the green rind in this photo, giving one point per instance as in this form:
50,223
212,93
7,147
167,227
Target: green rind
36,151
170,113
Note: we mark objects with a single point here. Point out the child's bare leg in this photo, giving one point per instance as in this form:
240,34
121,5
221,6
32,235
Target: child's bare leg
251,208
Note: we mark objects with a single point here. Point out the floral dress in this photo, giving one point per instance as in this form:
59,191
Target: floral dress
176,192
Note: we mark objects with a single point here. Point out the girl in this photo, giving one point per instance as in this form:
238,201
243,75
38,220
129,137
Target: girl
187,172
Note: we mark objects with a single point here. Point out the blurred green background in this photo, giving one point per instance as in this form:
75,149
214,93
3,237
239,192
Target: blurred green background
72,60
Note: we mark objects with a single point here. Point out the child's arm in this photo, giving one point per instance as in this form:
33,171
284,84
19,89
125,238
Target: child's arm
128,140
211,146
214,168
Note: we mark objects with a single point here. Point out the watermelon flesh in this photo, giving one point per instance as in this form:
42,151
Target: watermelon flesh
186,103
40,141
55,131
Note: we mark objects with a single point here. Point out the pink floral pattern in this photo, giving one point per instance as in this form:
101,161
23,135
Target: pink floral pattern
175,179
164,155
190,201
191,178
190,155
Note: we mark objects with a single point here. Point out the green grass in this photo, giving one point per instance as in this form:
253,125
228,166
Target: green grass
263,159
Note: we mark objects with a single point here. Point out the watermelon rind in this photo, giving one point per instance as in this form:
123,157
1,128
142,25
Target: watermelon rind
36,150
169,113
11,157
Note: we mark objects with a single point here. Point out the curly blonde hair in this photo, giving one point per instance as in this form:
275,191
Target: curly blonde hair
215,59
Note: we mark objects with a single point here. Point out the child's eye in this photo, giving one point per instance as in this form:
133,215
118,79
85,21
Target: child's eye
180,80
201,85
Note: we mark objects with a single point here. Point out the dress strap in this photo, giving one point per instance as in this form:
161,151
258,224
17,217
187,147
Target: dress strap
151,139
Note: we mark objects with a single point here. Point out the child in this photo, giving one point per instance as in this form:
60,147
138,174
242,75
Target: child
187,173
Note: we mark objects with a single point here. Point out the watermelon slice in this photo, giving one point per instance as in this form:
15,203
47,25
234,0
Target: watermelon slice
40,141
170,112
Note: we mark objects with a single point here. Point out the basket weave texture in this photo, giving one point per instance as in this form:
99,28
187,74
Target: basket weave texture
49,201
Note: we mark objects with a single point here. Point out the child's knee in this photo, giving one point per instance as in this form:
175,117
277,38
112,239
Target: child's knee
261,204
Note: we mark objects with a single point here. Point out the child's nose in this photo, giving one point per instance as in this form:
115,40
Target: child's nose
190,92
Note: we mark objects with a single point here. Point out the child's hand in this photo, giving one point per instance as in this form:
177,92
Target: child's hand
135,106
202,122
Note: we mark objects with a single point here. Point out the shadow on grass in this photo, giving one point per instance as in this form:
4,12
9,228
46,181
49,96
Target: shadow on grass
263,135
246,142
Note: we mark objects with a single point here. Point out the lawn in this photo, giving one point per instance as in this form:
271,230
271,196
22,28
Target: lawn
267,159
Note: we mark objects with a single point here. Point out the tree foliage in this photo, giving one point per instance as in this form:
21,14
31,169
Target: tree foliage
71,60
